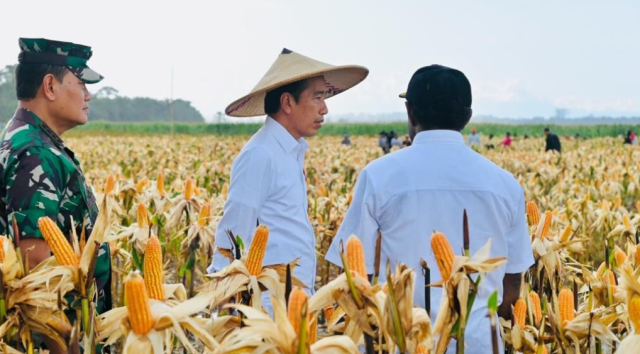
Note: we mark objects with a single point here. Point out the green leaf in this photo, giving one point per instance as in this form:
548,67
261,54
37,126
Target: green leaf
138,261
240,242
492,303
191,261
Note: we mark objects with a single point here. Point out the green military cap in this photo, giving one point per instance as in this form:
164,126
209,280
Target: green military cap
73,56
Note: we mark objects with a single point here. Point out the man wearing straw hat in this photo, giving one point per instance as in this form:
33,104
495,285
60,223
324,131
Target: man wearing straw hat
268,183
407,195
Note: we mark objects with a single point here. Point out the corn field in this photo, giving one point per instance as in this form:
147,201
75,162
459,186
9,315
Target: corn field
161,198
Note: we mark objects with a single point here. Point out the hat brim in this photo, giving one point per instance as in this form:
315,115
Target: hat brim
403,95
339,79
87,75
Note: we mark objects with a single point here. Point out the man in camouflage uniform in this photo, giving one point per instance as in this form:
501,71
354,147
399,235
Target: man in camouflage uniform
39,175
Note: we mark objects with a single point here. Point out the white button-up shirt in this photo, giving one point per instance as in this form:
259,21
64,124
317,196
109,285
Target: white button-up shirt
408,194
268,186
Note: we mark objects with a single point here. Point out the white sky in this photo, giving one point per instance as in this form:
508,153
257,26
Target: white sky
523,58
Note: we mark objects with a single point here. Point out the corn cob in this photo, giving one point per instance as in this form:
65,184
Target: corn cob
637,255
422,349
626,222
566,233
443,254
535,307
328,312
297,298
160,184
57,242
520,313
313,331
634,313
138,304
621,257
140,185
355,256
111,182
547,224
601,270
143,216
2,241
533,214
189,189
257,250
203,217
566,309
610,280
618,202
153,269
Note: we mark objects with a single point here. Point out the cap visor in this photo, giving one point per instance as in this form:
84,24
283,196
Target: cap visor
403,95
87,75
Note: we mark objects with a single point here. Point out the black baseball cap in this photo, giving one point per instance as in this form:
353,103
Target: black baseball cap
434,82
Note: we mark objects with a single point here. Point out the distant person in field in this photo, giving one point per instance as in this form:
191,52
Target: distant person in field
39,175
552,141
396,142
634,139
506,143
345,140
406,141
268,181
425,187
490,144
474,139
383,142
628,137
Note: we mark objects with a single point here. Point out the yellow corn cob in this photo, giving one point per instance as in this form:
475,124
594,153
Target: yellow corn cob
257,250
140,185
189,188
533,214
203,217
153,269
138,304
637,255
355,256
2,241
565,304
57,242
600,270
443,253
535,306
520,313
297,298
566,233
634,312
313,331
621,257
626,222
328,312
610,280
422,349
618,202
111,182
160,184
143,216
547,224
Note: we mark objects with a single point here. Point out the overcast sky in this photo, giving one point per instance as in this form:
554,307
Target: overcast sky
523,58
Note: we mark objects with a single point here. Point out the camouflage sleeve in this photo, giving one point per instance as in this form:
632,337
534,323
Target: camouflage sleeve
36,181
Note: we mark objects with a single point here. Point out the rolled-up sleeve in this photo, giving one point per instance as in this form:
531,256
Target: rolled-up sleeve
360,220
519,253
251,176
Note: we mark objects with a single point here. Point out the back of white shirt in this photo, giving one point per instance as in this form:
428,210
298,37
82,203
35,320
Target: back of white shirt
409,194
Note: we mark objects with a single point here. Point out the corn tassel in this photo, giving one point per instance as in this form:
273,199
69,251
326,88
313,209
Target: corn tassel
143,216
257,250
153,269
355,256
565,304
203,217
297,298
547,224
189,189
634,312
443,254
535,307
57,242
533,214
520,313
138,304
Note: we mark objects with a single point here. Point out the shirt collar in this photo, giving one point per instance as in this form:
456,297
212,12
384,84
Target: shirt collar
428,136
27,116
286,140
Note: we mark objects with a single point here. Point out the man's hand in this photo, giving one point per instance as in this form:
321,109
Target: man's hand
39,253
510,294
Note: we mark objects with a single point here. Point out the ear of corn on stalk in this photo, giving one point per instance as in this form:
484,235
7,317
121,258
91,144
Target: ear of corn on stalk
535,306
257,250
443,253
189,189
138,304
153,269
610,279
203,217
533,214
143,215
294,309
621,257
565,304
634,312
546,228
520,312
355,256
160,184
57,242
3,239
111,182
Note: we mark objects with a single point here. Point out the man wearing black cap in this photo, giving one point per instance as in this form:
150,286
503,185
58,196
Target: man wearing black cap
407,195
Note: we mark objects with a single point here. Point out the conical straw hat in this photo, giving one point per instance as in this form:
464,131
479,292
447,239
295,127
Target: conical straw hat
291,67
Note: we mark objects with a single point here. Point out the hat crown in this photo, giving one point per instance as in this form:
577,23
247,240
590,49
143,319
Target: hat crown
289,65
43,45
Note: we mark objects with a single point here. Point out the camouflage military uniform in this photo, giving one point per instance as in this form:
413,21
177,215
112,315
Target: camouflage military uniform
39,177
